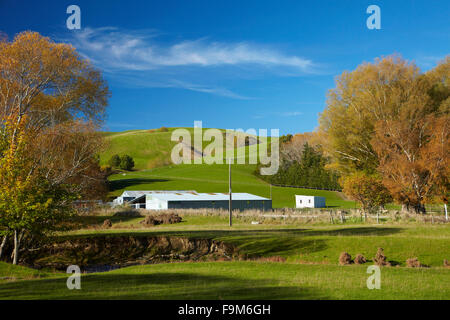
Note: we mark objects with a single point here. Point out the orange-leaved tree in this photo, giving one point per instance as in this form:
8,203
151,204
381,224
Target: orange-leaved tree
57,100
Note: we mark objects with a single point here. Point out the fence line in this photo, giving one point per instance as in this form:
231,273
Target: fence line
300,187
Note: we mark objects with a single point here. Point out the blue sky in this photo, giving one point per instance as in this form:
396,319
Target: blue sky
232,64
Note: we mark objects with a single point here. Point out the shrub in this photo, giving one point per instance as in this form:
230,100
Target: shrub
126,162
114,161
368,191
360,259
345,259
446,263
107,223
150,221
163,129
168,218
380,258
413,263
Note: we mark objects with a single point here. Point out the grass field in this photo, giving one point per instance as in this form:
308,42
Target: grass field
310,251
214,178
151,151
311,270
233,280
299,243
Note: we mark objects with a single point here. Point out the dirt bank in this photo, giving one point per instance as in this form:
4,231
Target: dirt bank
119,251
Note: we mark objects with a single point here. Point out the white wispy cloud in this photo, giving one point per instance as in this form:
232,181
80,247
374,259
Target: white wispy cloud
139,50
278,114
141,58
291,114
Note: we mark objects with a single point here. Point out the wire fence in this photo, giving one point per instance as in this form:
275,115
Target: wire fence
304,187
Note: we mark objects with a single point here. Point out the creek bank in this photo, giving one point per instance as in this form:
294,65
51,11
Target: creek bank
104,253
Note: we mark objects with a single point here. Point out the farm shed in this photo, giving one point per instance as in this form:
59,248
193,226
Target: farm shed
194,200
129,195
309,202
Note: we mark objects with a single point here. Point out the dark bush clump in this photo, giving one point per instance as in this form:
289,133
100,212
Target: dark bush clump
380,258
114,161
126,162
107,223
161,219
360,259
413,263
345,259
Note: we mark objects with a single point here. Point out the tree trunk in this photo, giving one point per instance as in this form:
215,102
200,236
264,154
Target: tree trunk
5,237
419,208
16,247
405,208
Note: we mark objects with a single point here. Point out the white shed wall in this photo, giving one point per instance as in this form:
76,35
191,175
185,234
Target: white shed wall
309,202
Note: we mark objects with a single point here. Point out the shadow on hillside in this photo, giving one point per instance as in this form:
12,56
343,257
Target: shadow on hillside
125,183
183,286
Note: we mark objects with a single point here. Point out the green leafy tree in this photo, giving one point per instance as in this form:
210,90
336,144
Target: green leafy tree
367,190
114,161
126,162
29,204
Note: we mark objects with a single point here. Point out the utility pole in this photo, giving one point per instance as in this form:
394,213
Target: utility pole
446,213
230,202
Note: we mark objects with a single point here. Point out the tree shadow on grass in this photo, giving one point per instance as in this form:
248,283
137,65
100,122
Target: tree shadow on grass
115,185
159,285
209,234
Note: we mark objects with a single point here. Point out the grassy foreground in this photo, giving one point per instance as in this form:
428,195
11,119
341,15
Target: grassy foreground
311,270
235,280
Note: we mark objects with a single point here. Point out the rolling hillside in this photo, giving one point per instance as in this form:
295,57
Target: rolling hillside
151,151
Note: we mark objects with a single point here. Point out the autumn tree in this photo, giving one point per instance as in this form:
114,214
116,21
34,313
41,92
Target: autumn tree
374,91
389,118
29,204
414,159
367,190
56,99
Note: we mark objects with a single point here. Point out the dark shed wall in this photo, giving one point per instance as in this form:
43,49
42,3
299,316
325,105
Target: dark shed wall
223,204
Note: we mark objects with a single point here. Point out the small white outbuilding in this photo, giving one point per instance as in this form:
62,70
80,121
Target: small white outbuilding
309,202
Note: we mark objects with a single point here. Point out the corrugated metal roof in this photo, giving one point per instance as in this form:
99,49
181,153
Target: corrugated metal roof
138,193
187,196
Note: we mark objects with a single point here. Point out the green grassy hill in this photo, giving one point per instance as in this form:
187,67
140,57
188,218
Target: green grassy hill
151,151
148,149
